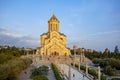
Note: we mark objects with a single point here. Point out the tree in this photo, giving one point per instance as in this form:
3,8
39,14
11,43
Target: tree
110,71
116,50
107,51
10,69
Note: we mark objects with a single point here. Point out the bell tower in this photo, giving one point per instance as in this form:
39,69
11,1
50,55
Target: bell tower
53,24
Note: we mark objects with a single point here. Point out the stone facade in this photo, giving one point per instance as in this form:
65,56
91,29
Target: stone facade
53,42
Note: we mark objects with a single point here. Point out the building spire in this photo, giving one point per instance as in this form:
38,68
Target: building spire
53,18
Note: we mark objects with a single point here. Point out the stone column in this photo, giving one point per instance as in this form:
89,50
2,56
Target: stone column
64,68
75,49
83,54
33,52
86,70
79,65
80,57
74,58
80,54
83,57
69,73
99,73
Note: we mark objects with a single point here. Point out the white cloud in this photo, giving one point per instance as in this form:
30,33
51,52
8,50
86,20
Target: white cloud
98,41
102,33
11,34
9,38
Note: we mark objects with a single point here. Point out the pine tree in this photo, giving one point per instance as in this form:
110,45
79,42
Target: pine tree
116,50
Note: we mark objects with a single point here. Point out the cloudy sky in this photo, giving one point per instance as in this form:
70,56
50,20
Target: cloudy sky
93,24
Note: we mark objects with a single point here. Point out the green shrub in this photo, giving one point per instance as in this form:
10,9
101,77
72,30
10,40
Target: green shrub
82,67
4,58
76,65
40,77
108,61
4,71
56,72
103,77
42,70
92,72
12,68
110,71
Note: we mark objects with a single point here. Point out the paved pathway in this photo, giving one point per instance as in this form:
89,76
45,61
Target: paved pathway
25,74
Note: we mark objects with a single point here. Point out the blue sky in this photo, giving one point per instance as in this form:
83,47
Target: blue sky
93,24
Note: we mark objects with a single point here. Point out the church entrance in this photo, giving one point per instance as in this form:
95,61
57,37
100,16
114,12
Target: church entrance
55,53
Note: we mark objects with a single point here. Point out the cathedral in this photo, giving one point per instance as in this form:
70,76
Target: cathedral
53,42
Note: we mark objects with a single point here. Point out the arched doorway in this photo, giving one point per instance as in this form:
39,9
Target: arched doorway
65,54
56,53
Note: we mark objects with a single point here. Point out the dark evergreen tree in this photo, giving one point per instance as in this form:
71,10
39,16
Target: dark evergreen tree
116,50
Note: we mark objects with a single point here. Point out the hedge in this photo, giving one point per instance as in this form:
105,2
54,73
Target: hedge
56,72
40,77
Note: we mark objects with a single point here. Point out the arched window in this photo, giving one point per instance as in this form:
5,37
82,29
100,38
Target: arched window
50,27
56,26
